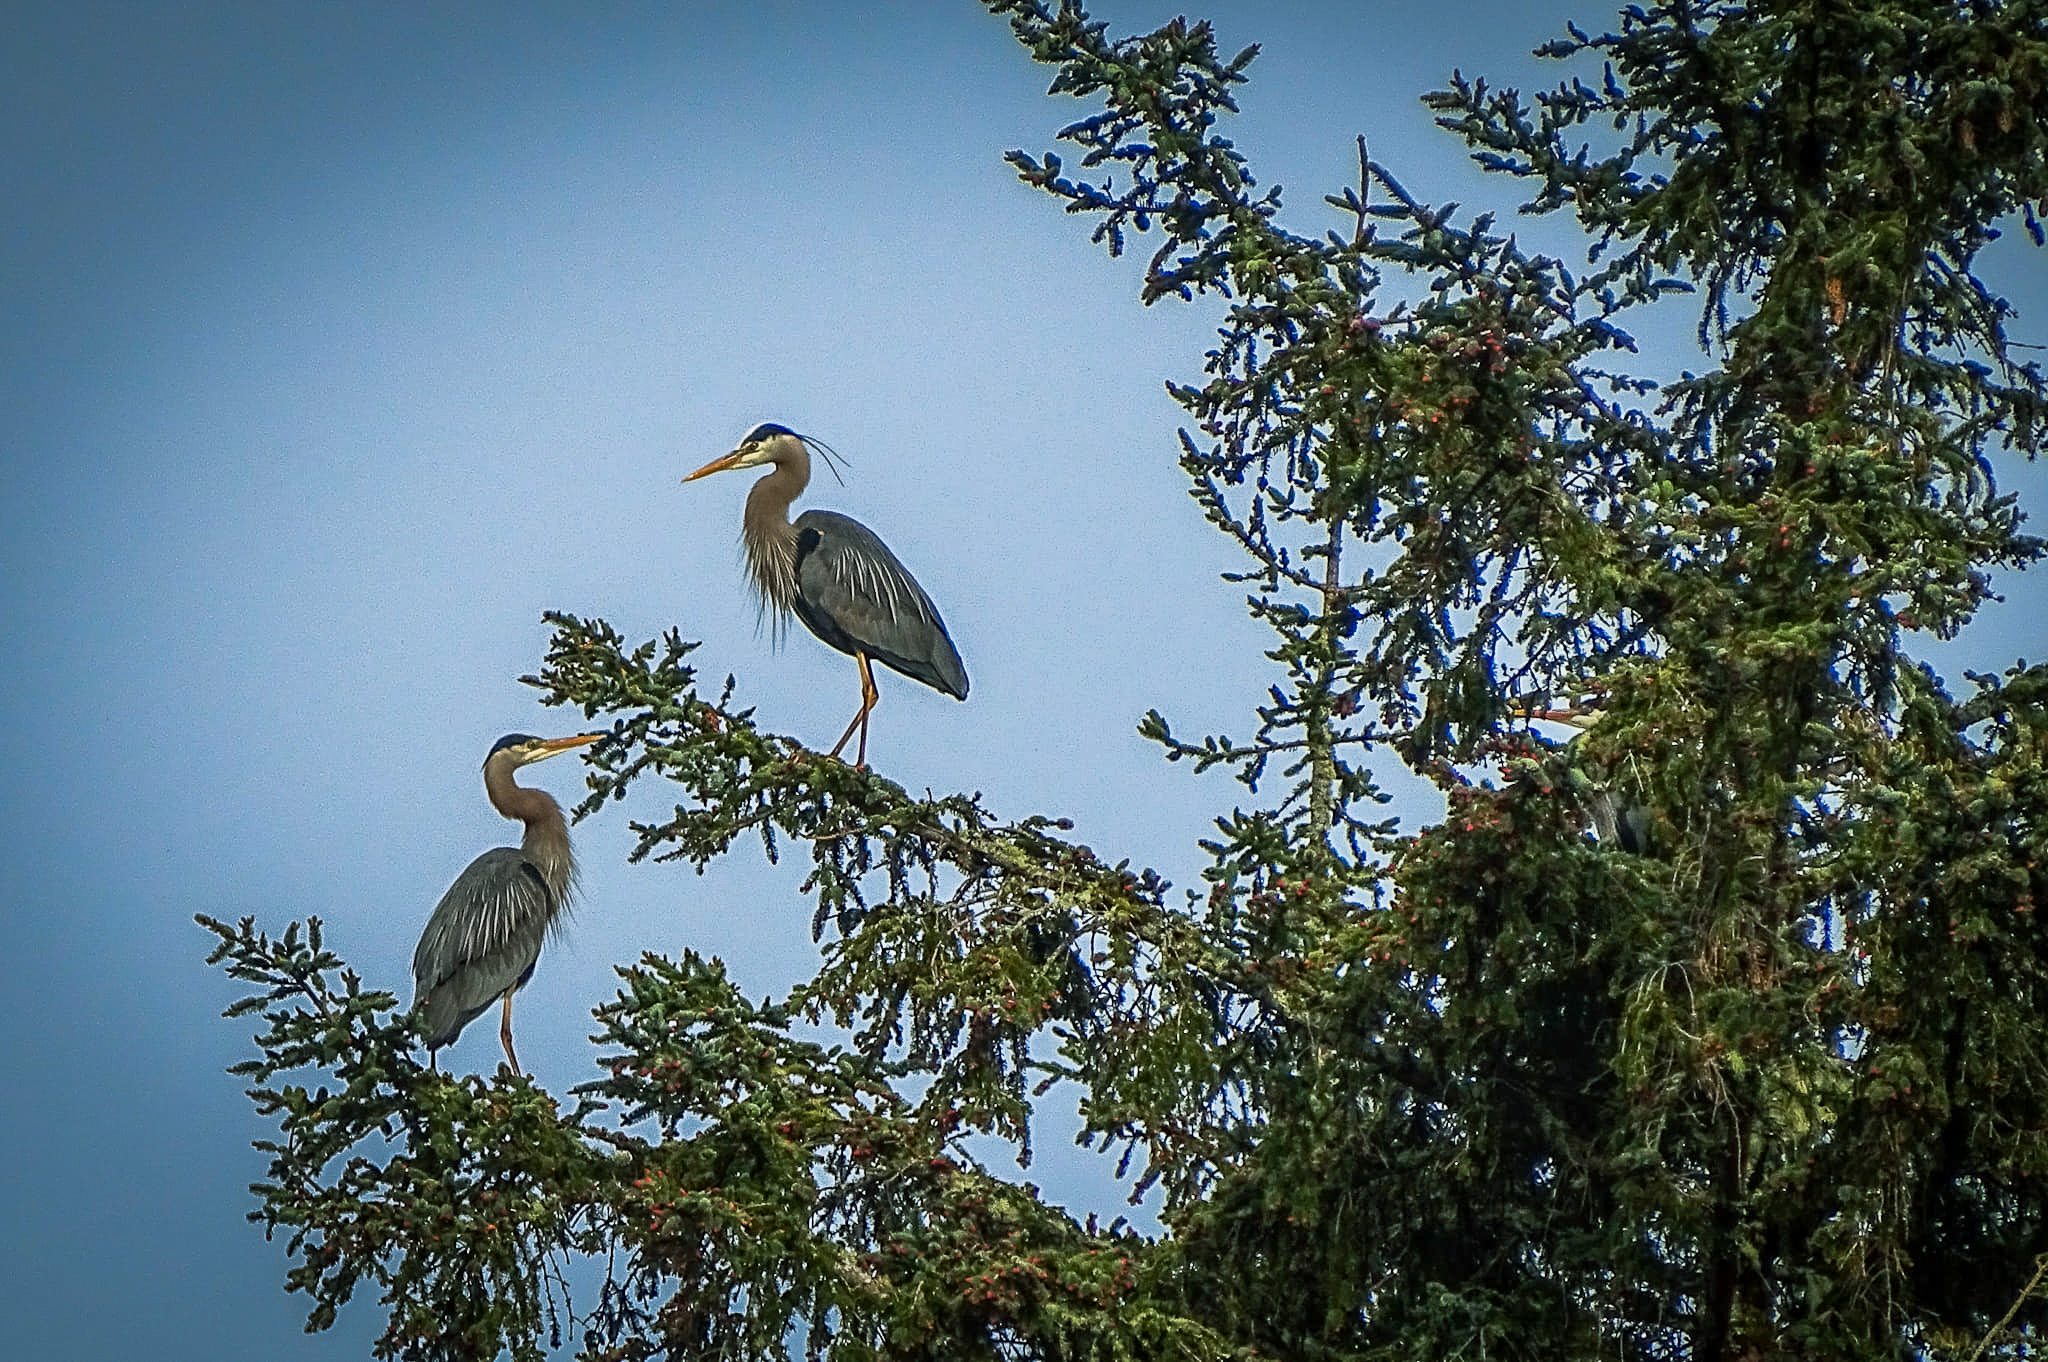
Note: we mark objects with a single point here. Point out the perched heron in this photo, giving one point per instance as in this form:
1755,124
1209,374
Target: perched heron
832,573
1618,819
485,935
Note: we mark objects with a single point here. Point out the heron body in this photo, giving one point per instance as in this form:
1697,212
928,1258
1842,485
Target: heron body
485,935
1618,819
837,576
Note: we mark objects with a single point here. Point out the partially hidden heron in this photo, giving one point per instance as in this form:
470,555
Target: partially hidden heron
1618,820
835,575
485,936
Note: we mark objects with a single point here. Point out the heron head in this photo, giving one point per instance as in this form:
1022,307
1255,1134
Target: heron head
768,443
1580,716
523,749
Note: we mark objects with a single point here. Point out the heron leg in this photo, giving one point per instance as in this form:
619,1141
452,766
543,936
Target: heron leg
505,1031
869,694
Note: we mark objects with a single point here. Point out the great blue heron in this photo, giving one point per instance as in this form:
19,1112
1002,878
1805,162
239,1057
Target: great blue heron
832,573
485,935
1618,820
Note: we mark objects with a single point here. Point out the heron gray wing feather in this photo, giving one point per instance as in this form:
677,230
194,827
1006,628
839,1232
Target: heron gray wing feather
482,940
854,594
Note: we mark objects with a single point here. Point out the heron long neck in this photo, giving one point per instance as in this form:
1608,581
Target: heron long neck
546,843
767,533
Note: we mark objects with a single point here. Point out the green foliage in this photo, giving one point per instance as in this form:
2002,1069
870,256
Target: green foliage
752,1192
460,1227
1768,1078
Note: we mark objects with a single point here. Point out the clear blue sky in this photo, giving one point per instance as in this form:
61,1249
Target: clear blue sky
339,341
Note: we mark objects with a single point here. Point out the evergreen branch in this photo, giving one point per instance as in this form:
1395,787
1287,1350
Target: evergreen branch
2040,1271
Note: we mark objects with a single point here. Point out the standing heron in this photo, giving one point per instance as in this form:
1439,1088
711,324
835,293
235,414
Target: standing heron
484,938
835,575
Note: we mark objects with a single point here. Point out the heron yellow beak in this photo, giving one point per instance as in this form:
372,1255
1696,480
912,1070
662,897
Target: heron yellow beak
1577,718
720,464
555,746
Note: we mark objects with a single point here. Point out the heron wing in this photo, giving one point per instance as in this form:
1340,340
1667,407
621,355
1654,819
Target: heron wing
481,941
852,593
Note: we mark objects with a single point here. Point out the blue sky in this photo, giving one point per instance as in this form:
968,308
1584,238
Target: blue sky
338,342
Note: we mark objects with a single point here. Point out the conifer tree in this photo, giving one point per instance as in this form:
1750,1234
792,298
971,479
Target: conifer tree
1713,1026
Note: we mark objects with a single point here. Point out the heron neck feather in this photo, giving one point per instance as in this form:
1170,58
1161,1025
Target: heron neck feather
769,537
546,842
